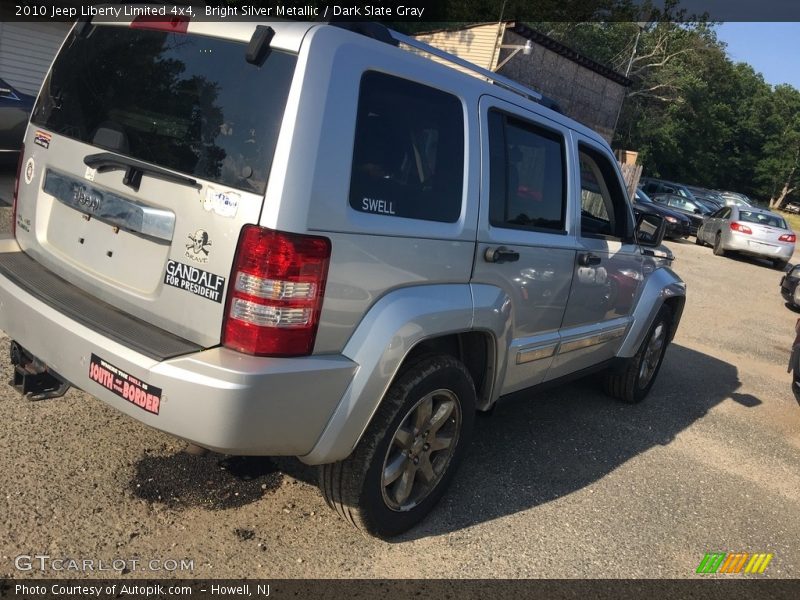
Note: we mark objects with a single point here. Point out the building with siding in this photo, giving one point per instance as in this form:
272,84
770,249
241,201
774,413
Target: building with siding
26,51
587,91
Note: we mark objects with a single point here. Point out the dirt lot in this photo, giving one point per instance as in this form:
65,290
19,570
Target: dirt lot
566,483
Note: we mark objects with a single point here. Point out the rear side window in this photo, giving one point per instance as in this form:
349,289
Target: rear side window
185,102
408,156
527,175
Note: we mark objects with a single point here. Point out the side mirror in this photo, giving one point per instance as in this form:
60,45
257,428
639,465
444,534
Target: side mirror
650,229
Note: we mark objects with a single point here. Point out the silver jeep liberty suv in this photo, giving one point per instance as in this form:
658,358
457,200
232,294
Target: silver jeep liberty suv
312,240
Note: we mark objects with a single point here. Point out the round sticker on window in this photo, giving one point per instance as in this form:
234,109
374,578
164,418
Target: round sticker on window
29,169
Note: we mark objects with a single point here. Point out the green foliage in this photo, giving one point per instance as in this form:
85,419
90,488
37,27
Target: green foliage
693,114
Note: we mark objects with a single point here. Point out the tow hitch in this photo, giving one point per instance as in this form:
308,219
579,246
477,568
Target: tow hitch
33,378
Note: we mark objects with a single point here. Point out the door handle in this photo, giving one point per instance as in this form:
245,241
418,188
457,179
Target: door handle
500,254
587,259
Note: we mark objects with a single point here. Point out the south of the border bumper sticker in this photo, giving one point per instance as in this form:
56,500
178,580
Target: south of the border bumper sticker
194,280
126,386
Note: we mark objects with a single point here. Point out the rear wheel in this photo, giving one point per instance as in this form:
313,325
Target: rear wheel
632,382
407,456
718,249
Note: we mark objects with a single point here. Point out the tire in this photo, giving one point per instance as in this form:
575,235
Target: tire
364,488
718,249
697,240
780,264
632,381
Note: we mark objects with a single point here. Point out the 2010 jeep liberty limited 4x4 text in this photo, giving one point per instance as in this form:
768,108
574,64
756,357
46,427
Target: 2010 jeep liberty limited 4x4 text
308,239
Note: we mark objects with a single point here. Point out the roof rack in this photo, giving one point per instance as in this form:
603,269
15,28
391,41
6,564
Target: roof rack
499,80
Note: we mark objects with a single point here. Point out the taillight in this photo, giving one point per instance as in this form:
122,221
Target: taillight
740,228
275,292
788,237
177,24
16,191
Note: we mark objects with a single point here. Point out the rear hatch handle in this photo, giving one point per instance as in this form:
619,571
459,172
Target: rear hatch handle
134,169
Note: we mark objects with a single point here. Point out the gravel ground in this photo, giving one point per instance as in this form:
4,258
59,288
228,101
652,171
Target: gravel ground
563,483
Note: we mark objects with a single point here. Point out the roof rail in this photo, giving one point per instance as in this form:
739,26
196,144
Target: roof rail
376,31
499,80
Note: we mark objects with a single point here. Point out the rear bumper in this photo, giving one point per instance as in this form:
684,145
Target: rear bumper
694,225
677,230
216,398
744,243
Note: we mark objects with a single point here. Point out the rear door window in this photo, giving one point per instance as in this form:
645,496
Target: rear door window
603,204
527,175
185,102
408,155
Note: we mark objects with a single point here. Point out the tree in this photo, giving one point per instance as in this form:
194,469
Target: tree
779,168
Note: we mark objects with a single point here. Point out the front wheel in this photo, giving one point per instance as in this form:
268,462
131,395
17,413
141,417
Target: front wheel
632,382
407,456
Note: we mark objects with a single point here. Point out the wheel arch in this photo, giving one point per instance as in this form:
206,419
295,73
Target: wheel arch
406,323
476,349
662,286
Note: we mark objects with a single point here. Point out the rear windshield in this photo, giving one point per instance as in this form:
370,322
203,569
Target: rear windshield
762,219
185,102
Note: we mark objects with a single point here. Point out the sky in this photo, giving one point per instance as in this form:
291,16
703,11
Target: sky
773,49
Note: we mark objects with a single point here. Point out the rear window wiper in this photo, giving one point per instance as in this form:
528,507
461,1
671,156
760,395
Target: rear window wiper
134,169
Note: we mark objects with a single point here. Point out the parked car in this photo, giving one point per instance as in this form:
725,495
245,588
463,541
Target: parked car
678,225
708,204
15,109
708,198
706,194
736,199
653,186
695,211
306,240
794,362
749,230
789,287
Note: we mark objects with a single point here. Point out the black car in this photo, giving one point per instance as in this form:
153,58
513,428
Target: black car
653,186
708,203
677,225
789,284
707,195
694,210
15,109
